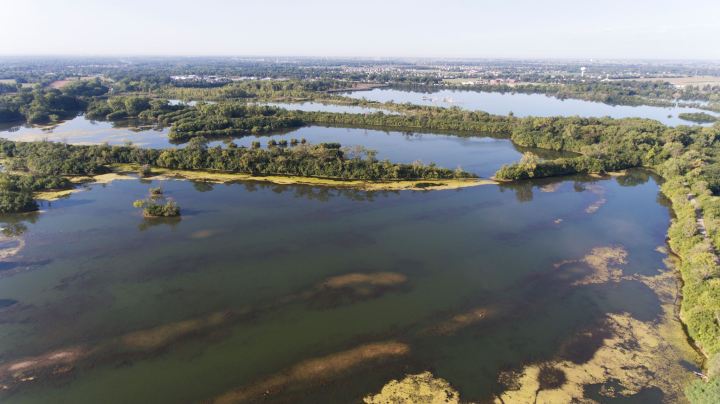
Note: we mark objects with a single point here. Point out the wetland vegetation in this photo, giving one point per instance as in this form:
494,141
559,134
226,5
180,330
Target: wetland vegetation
46,165
156,205
699,117
625,295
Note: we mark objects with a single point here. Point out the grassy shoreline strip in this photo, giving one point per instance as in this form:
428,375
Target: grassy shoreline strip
224,177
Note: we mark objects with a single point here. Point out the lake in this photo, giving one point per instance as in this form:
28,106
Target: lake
81,130
320,107
523,105
300,294
480,155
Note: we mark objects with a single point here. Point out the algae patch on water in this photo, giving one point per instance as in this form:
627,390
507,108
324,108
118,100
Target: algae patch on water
631,356
420,388
602,263
632,359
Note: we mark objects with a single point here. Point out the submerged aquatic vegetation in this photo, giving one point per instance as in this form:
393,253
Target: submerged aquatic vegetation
159,336
316,370
357,279
632,355
352,287
64,361
632,358
462,320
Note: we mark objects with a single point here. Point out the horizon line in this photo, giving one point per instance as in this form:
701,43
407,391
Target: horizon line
347,57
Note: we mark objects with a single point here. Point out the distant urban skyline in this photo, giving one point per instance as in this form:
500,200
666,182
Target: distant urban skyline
555,29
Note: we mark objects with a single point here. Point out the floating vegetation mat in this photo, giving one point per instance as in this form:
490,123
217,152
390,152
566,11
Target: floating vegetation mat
420,388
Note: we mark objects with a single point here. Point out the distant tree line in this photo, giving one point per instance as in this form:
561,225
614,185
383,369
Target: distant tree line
613,92
43,105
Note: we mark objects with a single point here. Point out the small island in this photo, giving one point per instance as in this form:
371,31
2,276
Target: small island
156,205
698,117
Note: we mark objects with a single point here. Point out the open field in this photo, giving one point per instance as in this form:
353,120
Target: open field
686,81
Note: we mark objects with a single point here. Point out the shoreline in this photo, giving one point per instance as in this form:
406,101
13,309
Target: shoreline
364,185
121,171
680,204
678,200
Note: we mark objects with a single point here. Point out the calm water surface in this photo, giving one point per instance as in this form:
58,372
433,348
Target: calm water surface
239,292
480,155
81,130
320,107
525,104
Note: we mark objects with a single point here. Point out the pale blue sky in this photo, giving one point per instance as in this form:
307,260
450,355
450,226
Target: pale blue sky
658,29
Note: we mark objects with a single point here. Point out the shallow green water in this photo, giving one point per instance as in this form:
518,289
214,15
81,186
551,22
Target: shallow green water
93,271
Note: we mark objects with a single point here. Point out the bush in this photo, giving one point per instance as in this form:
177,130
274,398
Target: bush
168,209
155,205
14,202
16,190
145,171
701,392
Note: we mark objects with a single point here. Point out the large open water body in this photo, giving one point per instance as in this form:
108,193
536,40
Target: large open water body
246,290
305,294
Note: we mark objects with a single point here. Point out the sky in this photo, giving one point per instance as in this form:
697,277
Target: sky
609,29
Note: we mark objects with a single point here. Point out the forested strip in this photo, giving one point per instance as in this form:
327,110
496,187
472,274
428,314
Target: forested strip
43,165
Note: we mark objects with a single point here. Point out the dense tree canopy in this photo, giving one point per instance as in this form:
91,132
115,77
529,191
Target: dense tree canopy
43,163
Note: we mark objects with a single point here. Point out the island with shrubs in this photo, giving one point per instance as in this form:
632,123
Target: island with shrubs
157,205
